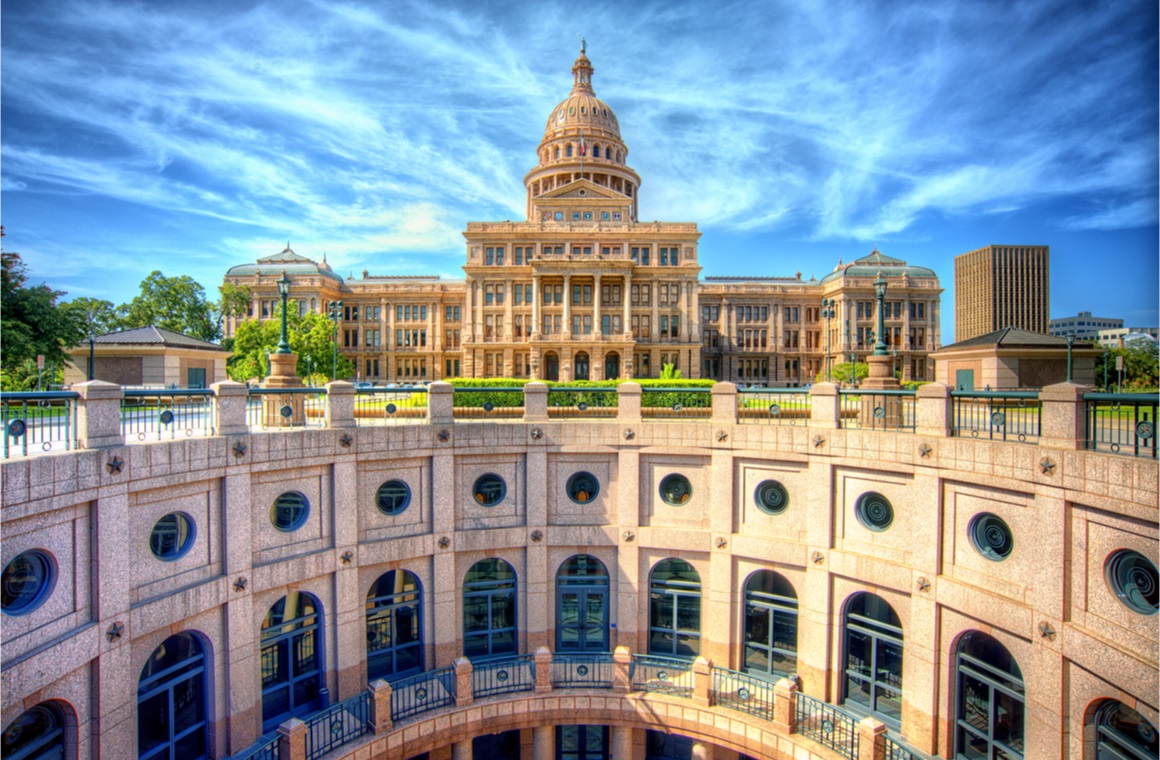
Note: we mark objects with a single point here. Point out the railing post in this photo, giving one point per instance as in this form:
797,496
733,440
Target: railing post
871,739
340,405
380,715
229,408
628,403
825,406
724,403
702,681
543,670
99,415
535,402
1063,424
934,411
621,667
463,670
292,740
785,705
440,403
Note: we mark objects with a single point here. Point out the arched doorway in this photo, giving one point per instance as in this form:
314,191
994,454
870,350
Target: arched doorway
1123,733
674,590
611,365
489,609
551,366
771,613
291,659
394,626
581,364
582,605
873,647
990,698
172,701
37,734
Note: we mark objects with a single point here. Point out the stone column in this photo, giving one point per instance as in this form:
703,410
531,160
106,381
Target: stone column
229,408
380,707
695,312
537,295
934,410
567,307
702,681
654,318
1063,422
724,403
535,402
544,743
621,664
543,657
340,405
871,739
460,750
702,751
825,406
627,302
477,295
684,312
292,740
596,315
507,312
622,743
440,403
99,415
785,706
628,403
464,695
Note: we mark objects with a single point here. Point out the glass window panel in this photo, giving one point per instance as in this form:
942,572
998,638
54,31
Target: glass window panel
475,613
858,653
660,610
785,631
688,645
275,703
757,658
858,691
888,702
972,747
688,613
305,691
757,624
1009,721
153,722
660,642
503,642
503,610
191,746
976,702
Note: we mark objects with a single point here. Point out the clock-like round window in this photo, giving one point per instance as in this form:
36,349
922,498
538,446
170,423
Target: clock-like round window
874,511
771,497
290,511
583,487
1133,578
27,581
393,497
172,536
489,490
676,490
991,536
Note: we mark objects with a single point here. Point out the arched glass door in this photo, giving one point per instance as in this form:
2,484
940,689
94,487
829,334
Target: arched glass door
611,366
291,660
581,365
873,638
582,605
551,366
771,612
1124,734
489,609
990,700
394,626
171,702
37,734
674,609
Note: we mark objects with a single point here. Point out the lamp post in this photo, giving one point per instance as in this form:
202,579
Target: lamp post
880,293
1107,355
309,368
334,311
1070,341
828,314
894,364
92,339
284,291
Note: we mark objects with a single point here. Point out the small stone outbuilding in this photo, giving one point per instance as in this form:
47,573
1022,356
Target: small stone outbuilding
149,356
1010,359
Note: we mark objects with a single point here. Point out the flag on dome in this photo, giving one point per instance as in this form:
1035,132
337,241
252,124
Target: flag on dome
582,149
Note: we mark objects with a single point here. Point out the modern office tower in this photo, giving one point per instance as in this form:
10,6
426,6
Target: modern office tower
1001,286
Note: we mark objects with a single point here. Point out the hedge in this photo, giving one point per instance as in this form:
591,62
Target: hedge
598,398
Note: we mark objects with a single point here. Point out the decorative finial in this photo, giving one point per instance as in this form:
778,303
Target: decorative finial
583,43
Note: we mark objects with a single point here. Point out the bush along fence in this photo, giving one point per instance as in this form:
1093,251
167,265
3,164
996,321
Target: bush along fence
102,415
385,707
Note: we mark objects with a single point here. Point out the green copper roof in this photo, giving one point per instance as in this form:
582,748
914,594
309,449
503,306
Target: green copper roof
870,266
288,261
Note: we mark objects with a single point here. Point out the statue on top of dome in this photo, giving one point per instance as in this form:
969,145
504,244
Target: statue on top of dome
583,43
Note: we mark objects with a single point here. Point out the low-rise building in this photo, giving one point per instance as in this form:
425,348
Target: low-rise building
148,356
1083,325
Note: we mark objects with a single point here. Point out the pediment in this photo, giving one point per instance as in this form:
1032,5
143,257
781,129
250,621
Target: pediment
582,188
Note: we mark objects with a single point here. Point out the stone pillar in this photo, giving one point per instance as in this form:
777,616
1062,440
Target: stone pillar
622,741
825,406
785,706
628,403
535,402
621,664
567,332
544,743
340,405
459,750
1063,422
440,403
596,316
229,408
702,681
380,707
871,739
702,751
507,313
292,740
283,374
537,295
99,415
464,695
477,295
654,319
724,403
627,296
934,410
543,659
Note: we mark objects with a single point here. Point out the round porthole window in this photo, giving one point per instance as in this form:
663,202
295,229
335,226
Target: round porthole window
990,536
583,487
489,490
393,497
1134,579
771,497
172,536
27,582
289,511
676,490
874,511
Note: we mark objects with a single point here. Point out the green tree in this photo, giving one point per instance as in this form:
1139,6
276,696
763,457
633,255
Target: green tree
235,300
669,372
94,315
1141,367
174,303
845,372
311,338
31,323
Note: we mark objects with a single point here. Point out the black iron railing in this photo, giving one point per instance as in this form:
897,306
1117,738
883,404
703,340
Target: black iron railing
582,671
676,404
877,410
337,725
266,748
503,676
40,421
422,692
583,403
666,675
742,691
148,414
774,406
827,725
488,403
390,406
285,408
1122,423
997,415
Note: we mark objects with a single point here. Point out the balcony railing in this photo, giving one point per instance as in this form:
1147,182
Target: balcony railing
1122,423
39,422
827,725
773,406
666,675
337,725
504,676
997,415
675,404
154,415
420,693
878,410
389,406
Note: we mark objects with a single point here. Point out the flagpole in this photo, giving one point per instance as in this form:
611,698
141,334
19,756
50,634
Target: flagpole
583,151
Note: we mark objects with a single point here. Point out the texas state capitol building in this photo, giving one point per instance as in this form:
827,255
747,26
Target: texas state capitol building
583,290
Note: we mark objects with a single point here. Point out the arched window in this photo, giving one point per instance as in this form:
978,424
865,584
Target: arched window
674,609
873,639
395,626
37,734
291,659
489,609
582,605
596,151
568,150
770,625
989,712
172,702
1124,734
557,151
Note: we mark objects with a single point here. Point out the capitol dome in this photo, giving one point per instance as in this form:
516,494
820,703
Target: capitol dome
582,110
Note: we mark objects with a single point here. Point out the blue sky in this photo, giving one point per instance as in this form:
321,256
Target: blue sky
189,137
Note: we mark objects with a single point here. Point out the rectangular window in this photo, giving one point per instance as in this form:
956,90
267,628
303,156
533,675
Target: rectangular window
635,295
528,293
548,295
558,293
674,326
576,324
645,295
518,256
664,326
558,324
489,257
587,324
664,257
518,294
587,294
547,324
489,327
499,294
575,294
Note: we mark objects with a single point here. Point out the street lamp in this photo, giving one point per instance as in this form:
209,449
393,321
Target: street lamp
284,291
1107,355
1070,341
828,313
880,293
334,311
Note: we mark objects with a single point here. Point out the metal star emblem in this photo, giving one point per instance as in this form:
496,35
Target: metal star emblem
537,434
240,584
444,542
629,535
115,631
629,434
819,441
722,435
721,542
444,435
923,584
115,464
1046,631
346,440
924,451
818,558
1047,466
346,557
239,449
537,536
